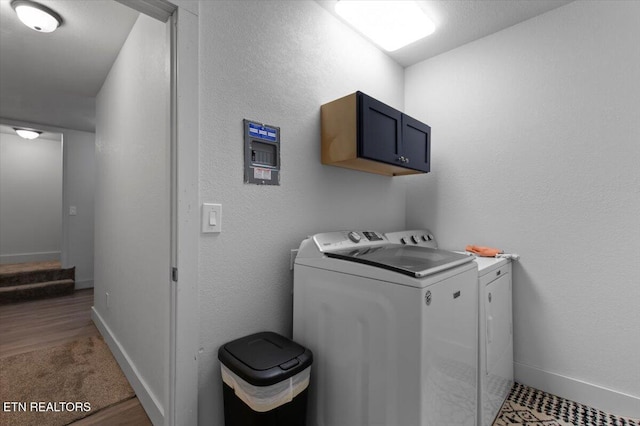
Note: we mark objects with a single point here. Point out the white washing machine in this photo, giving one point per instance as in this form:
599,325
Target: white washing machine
393,330
495,348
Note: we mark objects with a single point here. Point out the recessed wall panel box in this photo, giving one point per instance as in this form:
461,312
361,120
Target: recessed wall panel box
261,153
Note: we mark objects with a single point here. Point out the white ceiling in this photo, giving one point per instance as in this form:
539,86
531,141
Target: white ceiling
53,78
461,21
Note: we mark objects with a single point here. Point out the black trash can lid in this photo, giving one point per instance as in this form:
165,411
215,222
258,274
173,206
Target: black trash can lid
265,358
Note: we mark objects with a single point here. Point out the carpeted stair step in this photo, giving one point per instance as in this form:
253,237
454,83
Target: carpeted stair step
33,277
23,292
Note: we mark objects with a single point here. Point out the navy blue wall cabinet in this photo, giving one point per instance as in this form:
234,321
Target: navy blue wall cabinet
362,133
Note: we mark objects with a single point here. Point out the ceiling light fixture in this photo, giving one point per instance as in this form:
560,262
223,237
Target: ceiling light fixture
27,133
36,16
389,24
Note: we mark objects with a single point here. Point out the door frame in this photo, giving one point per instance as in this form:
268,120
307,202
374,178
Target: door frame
181,406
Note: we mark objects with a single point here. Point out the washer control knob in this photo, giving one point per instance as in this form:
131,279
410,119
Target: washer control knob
415,239
403,240
424,238
354,236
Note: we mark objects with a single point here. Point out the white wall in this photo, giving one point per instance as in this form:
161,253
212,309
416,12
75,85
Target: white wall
30,199
276,62
536,147
132,212
77,190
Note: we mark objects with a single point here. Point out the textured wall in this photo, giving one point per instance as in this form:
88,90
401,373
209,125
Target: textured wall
132,203
30,199
536,147
78,187
276,62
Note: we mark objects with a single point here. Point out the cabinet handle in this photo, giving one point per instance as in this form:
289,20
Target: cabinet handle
406,160
401,159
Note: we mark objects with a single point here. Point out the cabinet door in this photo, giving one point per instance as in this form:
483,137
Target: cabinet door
416,144
379,131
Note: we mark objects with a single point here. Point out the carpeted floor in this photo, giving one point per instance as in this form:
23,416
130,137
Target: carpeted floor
61,384
21,282
12,268
533,407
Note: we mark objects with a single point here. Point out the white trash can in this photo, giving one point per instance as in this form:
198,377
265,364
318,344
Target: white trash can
265,380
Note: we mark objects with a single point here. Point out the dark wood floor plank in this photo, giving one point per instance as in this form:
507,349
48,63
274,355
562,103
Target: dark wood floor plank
126,413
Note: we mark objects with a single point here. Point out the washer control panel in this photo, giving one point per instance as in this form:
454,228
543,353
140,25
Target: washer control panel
354,236
421,237
345,239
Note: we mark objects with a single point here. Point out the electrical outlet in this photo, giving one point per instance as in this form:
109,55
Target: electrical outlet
107,300
292,258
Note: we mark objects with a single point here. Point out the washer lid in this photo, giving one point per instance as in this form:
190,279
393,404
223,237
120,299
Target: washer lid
414,261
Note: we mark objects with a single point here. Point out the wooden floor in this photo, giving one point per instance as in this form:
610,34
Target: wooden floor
40,324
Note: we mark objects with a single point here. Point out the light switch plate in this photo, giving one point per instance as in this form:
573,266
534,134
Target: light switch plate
211,218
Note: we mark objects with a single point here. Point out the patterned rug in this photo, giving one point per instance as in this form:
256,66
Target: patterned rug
533,407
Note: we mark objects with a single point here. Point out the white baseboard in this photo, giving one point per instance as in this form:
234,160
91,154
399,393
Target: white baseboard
147,398
608,400
43,256
84,284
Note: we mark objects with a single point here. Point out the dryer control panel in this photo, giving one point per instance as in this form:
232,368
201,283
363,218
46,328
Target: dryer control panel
419,237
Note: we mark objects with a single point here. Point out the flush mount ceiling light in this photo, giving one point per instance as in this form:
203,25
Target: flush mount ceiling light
389,24
36,16
27,133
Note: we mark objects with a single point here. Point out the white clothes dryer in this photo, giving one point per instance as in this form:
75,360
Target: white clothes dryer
495,333
495,368
393,330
